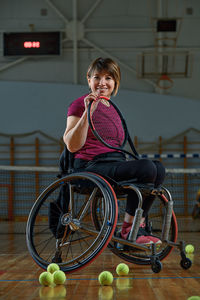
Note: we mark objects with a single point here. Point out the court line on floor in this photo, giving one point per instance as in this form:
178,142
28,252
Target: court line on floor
133,278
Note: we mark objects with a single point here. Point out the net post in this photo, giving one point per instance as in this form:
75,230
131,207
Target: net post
12,151
10,203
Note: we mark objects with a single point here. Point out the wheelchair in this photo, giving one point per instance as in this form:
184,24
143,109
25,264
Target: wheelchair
74,233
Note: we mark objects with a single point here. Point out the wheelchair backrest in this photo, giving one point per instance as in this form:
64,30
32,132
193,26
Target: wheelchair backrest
66,162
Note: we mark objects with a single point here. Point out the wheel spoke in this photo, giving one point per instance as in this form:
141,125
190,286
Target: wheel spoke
69,235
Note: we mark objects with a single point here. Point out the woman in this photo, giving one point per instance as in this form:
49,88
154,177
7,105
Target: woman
103,78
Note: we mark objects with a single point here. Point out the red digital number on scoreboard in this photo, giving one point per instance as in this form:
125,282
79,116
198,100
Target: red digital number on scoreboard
29,44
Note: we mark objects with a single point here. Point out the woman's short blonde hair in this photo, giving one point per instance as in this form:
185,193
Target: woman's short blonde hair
106,65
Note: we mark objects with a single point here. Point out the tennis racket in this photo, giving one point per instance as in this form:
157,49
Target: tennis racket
108,125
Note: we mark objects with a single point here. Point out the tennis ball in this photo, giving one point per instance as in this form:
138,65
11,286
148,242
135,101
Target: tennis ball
45,278
194,298
189,249
52,268
59,277
105,278
122,269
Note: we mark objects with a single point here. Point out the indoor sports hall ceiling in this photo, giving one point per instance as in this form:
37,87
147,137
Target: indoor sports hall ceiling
156,42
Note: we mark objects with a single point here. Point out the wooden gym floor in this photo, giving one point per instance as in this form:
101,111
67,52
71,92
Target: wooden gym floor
19,276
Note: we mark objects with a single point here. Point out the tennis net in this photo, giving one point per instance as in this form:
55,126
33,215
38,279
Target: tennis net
20,186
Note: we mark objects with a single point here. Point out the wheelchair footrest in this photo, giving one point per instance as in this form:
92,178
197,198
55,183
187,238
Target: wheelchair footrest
131,244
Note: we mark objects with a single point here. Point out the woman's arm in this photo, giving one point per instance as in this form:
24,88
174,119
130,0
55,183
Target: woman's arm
77,128
76,132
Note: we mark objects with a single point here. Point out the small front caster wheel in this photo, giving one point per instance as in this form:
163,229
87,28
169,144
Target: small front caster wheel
156,266
186,263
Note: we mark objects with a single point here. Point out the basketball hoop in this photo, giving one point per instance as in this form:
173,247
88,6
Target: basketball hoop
165,82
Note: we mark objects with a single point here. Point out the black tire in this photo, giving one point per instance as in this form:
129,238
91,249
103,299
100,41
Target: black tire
79,241
186,263
156,266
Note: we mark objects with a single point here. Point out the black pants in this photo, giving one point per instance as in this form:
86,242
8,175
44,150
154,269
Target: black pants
118,168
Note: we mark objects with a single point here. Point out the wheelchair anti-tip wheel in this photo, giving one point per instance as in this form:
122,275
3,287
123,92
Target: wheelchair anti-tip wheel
65,233
186,263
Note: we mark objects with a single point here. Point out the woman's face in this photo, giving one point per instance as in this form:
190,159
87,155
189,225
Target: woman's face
101,83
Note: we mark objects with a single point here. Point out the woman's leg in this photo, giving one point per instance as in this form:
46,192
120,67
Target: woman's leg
148,201
143,171
145,174
132,199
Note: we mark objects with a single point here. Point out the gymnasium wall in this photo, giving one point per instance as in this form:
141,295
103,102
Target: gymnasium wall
27,106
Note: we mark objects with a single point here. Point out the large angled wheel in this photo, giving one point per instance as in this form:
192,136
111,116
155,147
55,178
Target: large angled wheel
73,241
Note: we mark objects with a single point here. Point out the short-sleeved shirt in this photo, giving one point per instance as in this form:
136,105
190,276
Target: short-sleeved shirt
92,146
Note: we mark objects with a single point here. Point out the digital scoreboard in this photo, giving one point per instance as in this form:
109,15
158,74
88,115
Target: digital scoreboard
166,25
31,43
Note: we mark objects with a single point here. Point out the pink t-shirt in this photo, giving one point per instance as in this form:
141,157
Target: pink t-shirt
92,146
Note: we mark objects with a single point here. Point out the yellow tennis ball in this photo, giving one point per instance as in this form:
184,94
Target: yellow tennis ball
105,278
189,249
59,277
194,298
45,278
52,268
122,269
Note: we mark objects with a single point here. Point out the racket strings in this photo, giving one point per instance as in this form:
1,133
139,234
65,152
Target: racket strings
107,124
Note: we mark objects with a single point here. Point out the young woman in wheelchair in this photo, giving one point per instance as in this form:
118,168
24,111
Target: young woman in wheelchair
91,155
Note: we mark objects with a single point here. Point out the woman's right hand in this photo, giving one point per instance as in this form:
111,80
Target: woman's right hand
89,98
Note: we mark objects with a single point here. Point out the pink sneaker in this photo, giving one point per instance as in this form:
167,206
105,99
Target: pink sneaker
141,239
144,240
155,240
152,238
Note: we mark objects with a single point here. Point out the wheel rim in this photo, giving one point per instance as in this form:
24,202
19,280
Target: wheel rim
80,246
